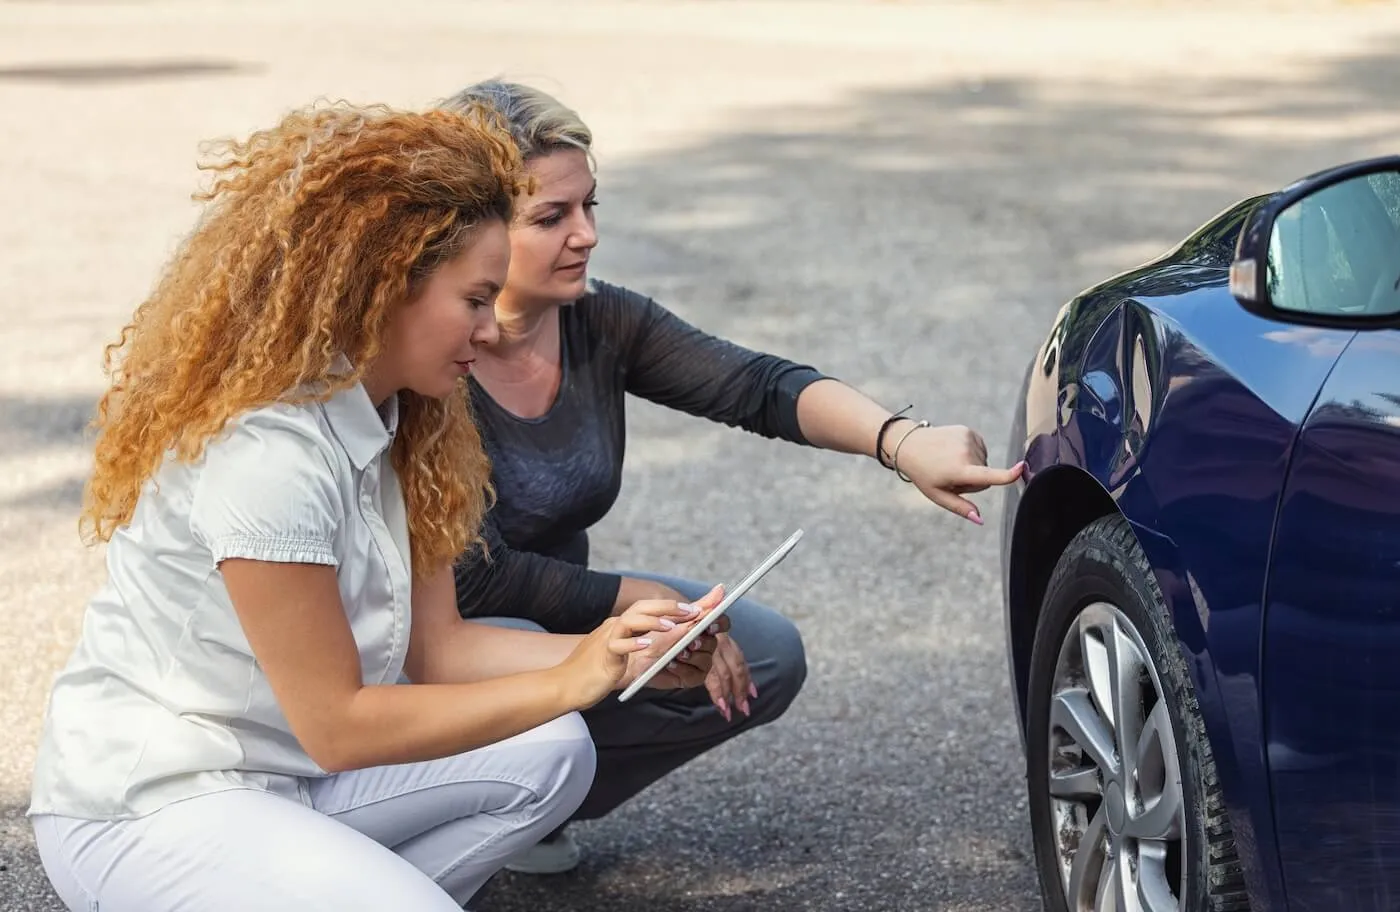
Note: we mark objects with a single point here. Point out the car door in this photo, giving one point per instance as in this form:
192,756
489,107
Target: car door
1331,664
1332,642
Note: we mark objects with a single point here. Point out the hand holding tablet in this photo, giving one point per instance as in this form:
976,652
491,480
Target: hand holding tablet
702,624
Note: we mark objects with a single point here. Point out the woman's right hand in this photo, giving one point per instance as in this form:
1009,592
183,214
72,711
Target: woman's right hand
600,661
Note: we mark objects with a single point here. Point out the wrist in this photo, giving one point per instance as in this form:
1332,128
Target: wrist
889,434
890,421
562,691
899,444
635,590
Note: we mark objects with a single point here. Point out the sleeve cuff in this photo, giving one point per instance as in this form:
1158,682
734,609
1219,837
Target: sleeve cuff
276,550
790,386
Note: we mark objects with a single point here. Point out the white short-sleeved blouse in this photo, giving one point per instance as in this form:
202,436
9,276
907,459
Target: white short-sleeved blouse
162,699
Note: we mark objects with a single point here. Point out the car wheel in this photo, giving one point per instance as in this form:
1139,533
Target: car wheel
1126,812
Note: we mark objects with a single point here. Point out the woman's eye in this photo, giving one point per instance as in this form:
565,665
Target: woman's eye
590,203
550,221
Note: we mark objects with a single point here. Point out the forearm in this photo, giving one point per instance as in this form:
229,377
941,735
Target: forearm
834,416
388,724
634,590
559,596
470,651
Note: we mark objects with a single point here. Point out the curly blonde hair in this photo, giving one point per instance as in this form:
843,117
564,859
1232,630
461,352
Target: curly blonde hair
316,230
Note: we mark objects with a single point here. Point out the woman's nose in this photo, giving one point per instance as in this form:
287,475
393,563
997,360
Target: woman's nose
488,331
585,236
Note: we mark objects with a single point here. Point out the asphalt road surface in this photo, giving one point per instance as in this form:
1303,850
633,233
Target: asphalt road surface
899,193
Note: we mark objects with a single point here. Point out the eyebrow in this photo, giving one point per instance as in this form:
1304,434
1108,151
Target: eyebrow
555,204
486,285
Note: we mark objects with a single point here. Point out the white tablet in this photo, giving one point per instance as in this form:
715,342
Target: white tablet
731,596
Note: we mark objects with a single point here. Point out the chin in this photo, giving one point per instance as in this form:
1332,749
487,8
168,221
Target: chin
571,290
450,386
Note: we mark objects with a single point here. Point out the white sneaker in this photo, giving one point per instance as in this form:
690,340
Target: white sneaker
554,855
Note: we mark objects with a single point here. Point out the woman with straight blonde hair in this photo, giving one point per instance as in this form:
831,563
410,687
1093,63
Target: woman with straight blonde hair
549,393
274,704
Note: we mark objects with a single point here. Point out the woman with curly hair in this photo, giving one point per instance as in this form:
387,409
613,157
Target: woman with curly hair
274,703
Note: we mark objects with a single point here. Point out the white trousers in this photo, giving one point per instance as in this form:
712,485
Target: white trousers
420,836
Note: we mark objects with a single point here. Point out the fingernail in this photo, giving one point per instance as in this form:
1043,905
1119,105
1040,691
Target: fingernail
687,608
671,667
723,708
975,518
644,641
714,628
744,707
753,690
667,624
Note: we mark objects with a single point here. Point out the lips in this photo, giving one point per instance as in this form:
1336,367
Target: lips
572,267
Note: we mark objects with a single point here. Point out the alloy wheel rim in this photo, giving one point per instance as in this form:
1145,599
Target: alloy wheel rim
1116,801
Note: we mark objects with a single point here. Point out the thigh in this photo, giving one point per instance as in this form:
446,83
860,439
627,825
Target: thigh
514,623
229,852
394,804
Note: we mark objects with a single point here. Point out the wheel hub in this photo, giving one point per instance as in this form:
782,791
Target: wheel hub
1117,808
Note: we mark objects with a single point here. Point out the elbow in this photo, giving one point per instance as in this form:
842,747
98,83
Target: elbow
332,754
334,766
333,745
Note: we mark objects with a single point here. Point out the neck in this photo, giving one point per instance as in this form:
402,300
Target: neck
379,391
521,324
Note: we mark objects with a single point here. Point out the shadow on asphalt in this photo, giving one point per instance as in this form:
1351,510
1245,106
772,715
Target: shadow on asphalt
89,73
17,852
29,424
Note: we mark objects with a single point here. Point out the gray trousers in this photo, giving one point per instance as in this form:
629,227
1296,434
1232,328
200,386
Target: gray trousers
658,731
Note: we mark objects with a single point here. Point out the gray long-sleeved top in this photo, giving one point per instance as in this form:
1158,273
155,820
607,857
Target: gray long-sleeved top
558,474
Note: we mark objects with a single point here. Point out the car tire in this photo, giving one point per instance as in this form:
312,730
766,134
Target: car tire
1104,619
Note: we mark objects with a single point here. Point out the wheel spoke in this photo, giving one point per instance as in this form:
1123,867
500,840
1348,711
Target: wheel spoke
1107,898
1160,782
1161,820
1115,670
1088,863
1095,644
1128,668
1074,712
1077,785
1154,892
1124,890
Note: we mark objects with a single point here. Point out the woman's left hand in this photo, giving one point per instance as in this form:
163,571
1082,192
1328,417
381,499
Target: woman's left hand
729,680
947,462
692,666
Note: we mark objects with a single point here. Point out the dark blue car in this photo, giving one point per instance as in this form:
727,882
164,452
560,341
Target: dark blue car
1202,567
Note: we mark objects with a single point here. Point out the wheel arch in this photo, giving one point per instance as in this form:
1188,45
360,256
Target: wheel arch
1055,507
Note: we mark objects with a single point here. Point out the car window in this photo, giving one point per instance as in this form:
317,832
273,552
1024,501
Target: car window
1338,251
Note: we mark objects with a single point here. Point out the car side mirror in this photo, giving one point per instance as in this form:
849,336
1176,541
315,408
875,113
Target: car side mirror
1325,251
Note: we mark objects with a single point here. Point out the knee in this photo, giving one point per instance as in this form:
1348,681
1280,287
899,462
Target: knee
790,672
778,666
568,762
